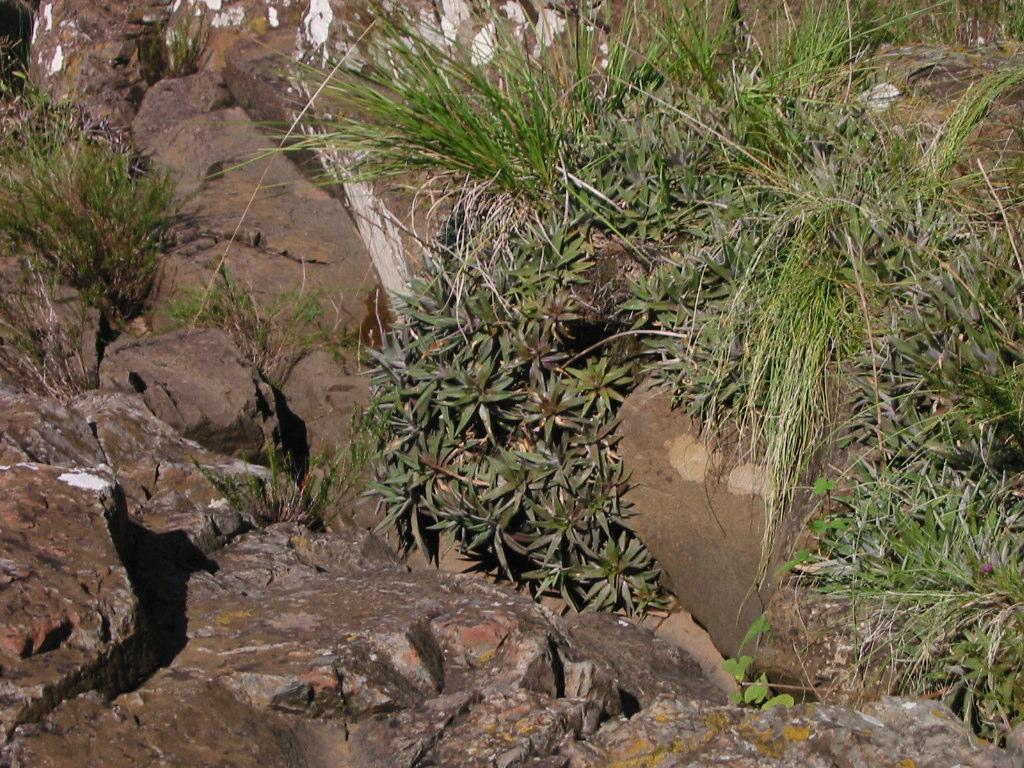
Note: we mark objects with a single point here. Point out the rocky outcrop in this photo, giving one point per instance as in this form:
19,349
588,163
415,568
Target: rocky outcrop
69,618
284,647
164,476
198,383
247,209
36,430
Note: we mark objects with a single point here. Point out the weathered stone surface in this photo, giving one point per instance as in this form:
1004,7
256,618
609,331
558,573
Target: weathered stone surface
613,641
176,99
252,16
701,517
326,393
312,635
173,721
198,383
157,470
930,80
893,733
295,239
34,429
87,52
69,619
258,73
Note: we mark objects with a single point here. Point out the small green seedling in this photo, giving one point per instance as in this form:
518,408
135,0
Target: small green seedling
755,693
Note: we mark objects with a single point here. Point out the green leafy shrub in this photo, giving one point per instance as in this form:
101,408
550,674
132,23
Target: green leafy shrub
495,434
79,206
754,692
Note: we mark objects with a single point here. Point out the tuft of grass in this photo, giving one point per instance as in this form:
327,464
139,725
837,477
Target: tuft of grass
273,334
948,145
933,559
287,493
45,339
80,208
169,52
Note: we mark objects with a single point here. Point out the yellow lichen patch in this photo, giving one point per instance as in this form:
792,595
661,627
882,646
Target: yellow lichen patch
230,617
796,733
764,740
259,26
525,727
640,754
905,763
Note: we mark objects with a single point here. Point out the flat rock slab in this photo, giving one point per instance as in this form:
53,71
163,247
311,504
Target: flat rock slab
701,515
69,619
896,733
294,238
172,721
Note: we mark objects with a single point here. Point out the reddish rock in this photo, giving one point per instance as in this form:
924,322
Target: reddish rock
69,619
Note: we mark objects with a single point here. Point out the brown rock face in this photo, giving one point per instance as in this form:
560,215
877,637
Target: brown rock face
325,393
88,53
700,514
69,618
198,383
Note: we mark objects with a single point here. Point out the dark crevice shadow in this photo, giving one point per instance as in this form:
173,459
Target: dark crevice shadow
160,566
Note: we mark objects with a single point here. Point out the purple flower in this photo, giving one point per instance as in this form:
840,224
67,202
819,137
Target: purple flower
987,568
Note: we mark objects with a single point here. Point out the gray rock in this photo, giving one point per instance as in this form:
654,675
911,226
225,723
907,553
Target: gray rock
34,429
891,732
198,383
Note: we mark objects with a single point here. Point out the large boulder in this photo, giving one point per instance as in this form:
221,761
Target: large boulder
699,510
69,619
199,384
